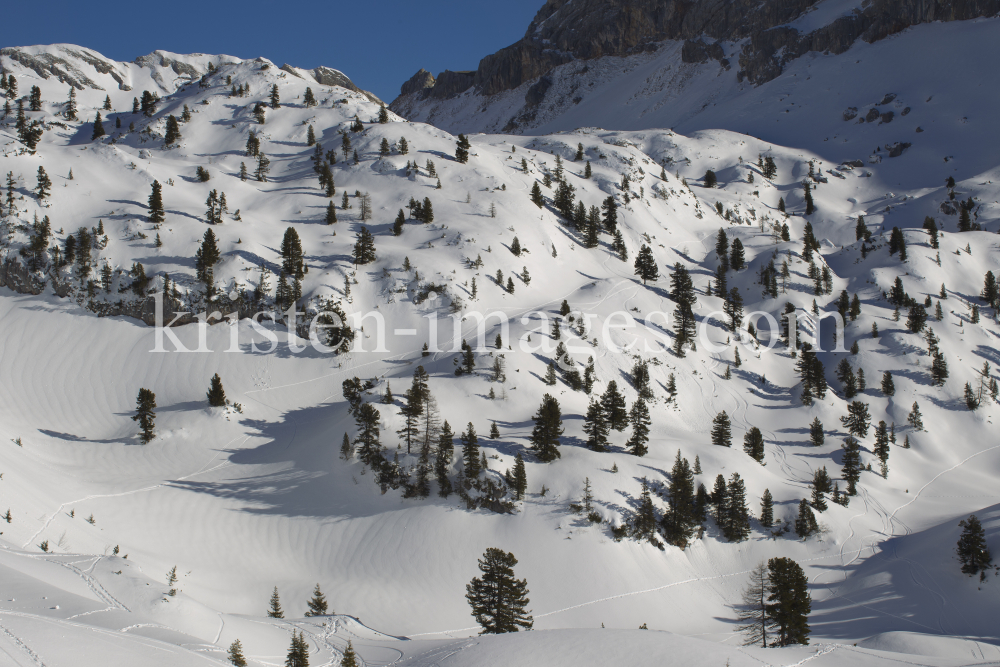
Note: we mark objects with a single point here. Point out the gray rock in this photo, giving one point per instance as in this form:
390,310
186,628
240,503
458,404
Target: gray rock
889,97
887,117
450,83
905,112
417,83
536,93
898,148
850,113
872,115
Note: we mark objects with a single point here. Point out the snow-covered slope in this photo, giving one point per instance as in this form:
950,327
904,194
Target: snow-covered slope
242,502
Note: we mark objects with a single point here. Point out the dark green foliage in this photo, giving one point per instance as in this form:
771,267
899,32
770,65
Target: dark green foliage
275,97
442,462
173,131
888,387
973,552
766,509
610,214
851,464
462,149
645,265
857,421
682,292
614,407
499,600
737,256
470,452
881,448
733,307
148,103
216,394
736,519
680,520
548,428
207,257
639,416
309,100
991,290
98,128
753,444
156,213
536,195
520,477
145,414
563,200
722,434
810,206
235,655
274,607
710,179
939,369
789,602
916,319
595,425
813,376
364,247
317,603
369,447
291,254
805,522
298,651
350,658
816,436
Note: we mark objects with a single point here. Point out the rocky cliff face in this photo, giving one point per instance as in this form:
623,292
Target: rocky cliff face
565,30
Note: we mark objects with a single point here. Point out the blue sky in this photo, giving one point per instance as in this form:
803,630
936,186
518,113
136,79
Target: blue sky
378,44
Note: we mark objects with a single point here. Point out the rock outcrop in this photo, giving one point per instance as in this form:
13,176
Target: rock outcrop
565,30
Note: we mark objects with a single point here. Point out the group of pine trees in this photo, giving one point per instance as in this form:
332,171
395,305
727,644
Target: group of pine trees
776,605
145,407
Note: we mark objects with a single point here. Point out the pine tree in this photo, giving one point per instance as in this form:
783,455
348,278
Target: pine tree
548,428
216,394
98,128
789,602
644,524
851,464
317,603
610,214
173,132
156,213
752,615
973,552
645,265
939,369
368,445
679,520
857,421
722,435
70,111
145,414
235,655
915,419
498,599
520,477
595,425
350,658
719,500
888,387
816,436
639,416
614,407
470,452
766,509
736,522
753,444
462,149
298,651
881,448
442,462
737,256
274,609
364,247
710,179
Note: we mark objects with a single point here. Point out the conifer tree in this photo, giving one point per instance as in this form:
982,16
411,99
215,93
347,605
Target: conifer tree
216,394
719,500
639,416
317,603
915,419
547,430
499,600
298,651
857,421
736,521
520,477
766,509
173,132
156,213
235,655
364,247
973,552
816,436
888,387
881,448
614,407
722,435
462,149
274,608
35,98
470,452
350,658
70,111
331,214
367,442
145,414
789,602
595,425
805,523
275,97
737,256
645,265
851,464
442,462
98,128
309,99
710,179
679,520
644,525
753,444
